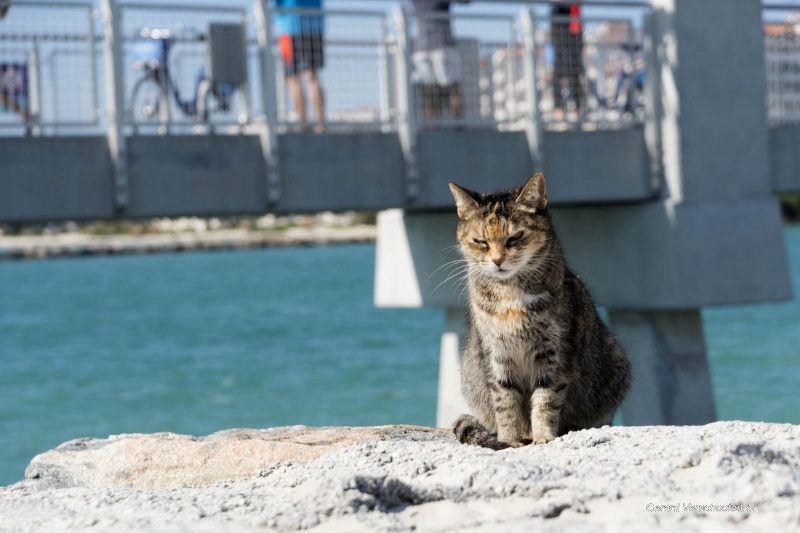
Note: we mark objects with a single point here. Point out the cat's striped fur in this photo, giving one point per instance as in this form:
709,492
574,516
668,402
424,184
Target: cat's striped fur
538,361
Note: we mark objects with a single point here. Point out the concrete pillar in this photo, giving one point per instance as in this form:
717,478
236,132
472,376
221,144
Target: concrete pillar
671,380
710,62
703,118
451,403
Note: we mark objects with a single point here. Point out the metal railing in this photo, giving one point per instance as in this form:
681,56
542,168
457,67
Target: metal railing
782,63
52,70
48,70
55,58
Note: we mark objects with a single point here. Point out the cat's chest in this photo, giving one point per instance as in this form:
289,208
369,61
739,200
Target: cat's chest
514,316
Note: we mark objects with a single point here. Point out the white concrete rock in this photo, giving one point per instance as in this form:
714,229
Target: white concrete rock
726,476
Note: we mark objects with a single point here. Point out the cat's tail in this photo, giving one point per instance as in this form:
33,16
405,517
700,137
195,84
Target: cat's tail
469,430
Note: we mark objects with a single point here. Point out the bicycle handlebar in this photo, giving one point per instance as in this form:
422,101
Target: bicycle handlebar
181,35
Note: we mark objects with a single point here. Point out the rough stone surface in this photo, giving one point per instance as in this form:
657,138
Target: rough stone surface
164,460
737,476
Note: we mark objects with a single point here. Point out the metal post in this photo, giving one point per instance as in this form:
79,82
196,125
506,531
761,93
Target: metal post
652,99
630,98
491,118
534,125
93,68
35,84
383,75
112,39
512,108
245,88
280,92
406,106
53,89
269,127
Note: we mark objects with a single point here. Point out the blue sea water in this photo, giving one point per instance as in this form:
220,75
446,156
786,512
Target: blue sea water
198,342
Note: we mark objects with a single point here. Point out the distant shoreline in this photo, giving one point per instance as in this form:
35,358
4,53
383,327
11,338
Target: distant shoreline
80,244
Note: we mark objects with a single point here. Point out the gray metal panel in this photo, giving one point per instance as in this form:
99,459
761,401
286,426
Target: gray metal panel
480,160
597,166
580,166
784,152
660,255
70,178
55,178
227,53
340,172
196,175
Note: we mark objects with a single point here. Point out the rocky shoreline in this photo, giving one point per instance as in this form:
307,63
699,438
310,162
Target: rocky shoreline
726,476
79,244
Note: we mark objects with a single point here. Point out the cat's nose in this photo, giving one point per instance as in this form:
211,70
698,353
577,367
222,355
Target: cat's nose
498,260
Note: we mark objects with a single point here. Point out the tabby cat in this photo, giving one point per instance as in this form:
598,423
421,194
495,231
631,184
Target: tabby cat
538,361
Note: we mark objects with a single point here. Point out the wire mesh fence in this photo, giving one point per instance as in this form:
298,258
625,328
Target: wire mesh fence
48,67
589,72
782,65
167,77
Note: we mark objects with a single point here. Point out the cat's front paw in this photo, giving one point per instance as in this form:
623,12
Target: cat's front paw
542,436
510,438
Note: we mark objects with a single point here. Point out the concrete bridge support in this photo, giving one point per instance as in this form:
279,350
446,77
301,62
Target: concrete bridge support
673,383
710,235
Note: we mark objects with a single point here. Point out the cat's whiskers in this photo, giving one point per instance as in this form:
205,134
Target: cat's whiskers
455,262
459,273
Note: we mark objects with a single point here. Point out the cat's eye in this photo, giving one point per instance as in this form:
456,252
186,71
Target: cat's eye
514,239
480,242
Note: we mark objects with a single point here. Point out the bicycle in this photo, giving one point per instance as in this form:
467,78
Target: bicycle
151,93
628,96
14,89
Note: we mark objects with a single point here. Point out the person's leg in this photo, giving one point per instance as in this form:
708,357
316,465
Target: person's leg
289,51
456,108
561,89
432,101
429,99
316,94
313,59
447,66
576,68
298,98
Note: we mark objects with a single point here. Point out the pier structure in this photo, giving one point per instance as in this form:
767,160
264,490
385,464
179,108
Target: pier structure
663,194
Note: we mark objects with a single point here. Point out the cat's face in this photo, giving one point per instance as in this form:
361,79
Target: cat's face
502,232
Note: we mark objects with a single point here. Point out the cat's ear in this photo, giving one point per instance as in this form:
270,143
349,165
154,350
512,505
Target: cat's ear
533,196
465,201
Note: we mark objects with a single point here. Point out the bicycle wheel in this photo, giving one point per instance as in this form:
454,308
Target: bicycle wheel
149,104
